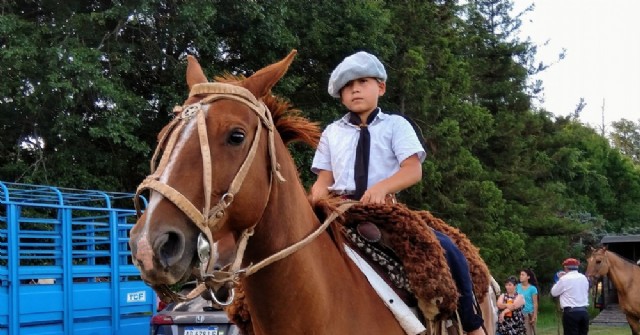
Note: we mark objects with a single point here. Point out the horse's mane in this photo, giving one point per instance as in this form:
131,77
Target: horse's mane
603,249
289,121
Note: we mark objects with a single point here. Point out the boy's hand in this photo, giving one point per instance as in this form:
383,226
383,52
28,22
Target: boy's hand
410,173
321,187
374,195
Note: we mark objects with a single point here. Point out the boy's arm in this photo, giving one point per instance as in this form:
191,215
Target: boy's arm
410,173
321,187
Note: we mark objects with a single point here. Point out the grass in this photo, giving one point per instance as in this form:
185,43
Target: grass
550,321
593,330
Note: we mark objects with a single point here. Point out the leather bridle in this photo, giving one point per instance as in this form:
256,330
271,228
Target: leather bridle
208,220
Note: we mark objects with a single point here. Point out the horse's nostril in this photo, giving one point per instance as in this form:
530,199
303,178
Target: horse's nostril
169,248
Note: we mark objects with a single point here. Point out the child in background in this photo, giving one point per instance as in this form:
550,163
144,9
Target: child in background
528,288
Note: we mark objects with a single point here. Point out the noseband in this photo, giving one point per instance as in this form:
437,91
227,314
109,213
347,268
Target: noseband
207,220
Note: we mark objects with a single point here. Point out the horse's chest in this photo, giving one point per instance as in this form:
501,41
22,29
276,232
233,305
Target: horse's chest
630,305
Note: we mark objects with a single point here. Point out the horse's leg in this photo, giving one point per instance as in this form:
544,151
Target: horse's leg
489,308
634,323
489,312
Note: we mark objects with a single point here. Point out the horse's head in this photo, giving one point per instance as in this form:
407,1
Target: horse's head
211,173
597,265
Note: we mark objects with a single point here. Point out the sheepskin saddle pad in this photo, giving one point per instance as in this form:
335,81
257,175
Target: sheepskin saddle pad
403,243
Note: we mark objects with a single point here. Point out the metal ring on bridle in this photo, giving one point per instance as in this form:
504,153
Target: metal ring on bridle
229,298
227,199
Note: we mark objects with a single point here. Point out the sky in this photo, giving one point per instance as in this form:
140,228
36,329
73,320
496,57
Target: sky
602,58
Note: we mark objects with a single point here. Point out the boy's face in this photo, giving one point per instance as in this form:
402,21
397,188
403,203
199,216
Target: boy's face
361,95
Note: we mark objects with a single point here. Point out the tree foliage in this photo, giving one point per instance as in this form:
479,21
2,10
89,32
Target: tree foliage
88,84
626,137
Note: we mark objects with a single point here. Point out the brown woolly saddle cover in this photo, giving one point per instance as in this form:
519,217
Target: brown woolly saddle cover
409,234
411,237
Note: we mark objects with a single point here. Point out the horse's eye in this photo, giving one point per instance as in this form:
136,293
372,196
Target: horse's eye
236,137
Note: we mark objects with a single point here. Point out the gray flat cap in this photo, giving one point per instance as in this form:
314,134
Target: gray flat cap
358,65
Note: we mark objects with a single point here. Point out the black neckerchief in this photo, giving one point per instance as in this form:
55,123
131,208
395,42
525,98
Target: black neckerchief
361,166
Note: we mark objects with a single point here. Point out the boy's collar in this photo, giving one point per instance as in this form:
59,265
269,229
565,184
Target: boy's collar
381,115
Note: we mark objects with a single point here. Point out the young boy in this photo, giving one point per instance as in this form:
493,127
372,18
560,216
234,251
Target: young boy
342,157
343,165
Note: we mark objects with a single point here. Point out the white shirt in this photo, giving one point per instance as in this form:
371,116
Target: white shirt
573,289
392,141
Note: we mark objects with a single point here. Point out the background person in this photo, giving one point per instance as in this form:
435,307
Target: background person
510,304
528,288
573,290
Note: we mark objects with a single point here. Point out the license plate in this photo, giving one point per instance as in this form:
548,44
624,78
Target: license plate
212,330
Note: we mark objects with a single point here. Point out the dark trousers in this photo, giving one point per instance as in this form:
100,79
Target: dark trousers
460,273
575,322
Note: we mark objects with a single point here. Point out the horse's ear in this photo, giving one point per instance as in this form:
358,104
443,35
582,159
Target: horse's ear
195,75
261,82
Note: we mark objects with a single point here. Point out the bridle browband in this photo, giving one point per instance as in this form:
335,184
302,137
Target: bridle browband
208,220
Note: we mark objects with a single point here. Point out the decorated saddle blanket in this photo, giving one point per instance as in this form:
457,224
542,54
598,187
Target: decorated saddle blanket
403,242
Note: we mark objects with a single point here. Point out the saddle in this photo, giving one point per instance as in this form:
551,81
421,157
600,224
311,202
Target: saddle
401,234
408,236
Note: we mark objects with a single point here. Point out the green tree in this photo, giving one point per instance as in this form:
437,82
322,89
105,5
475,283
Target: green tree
88,85
64,114
626,137
430,82
514,154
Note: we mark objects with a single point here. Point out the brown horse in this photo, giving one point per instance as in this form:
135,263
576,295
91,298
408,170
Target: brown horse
226,153
625,276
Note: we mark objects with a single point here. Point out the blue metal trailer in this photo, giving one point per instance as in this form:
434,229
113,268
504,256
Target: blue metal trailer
65,264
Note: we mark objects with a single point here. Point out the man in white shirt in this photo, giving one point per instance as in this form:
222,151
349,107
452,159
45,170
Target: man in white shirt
573,289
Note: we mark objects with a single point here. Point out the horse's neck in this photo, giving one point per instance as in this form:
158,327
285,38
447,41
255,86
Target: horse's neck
314,290
620,271
288,218
303,281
